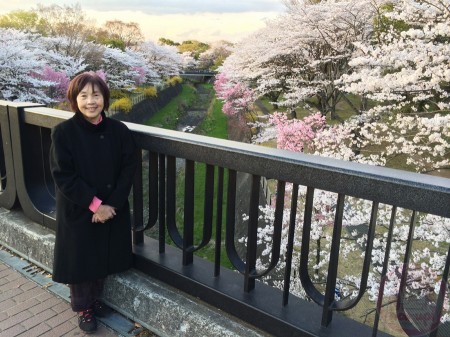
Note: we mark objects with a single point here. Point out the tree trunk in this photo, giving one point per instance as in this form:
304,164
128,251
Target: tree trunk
333,114
291,113
363,106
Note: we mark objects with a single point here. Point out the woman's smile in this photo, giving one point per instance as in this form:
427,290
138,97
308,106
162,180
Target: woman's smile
90,102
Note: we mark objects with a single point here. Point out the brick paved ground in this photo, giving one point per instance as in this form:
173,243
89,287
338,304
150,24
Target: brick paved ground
28,310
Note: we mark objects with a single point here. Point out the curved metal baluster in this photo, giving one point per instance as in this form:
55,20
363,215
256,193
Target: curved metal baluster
152,189
307,284
186,242
3,175
333,264
153,200
208,207
248,268
250,273
207,210
384,271
252,235
219,209
277,228
162,204
441,297
188,218
230,246
403,319
138,205
171,202
348,304
137,225
290,245
328,300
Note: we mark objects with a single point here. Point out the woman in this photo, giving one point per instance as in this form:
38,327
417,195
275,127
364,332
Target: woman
93,161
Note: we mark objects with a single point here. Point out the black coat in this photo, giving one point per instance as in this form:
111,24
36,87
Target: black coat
88,160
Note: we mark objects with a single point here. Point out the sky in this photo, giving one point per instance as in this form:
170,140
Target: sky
178,20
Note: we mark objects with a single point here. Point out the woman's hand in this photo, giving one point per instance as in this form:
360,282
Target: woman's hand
104,213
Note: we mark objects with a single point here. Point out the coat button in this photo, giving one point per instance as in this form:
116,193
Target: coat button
109,186
101,136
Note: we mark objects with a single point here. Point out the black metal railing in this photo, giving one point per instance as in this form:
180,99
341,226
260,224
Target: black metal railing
163,200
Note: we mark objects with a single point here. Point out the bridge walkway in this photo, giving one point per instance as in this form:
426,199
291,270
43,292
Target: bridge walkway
32,305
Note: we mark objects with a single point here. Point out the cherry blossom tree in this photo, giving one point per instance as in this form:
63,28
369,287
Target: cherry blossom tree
215,55
60,61
406,66
237,97
164,60
298,57
125,69
57,91
295,134
140,79
21,66
146,71
189,62
243,65
37,67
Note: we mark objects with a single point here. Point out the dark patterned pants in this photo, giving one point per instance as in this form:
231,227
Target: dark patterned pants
83,295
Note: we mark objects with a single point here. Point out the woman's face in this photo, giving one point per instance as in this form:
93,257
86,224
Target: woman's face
90,102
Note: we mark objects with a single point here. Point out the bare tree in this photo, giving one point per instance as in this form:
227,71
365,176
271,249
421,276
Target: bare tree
69,22
128,32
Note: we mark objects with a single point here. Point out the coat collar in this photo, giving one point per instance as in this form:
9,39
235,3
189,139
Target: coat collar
85,124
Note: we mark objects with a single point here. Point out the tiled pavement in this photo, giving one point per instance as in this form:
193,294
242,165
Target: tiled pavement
28,308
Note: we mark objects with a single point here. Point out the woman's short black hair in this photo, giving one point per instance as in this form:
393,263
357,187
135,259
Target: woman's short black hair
79,82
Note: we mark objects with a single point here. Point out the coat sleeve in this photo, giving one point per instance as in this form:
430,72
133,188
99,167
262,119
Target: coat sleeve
64,173
127,170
